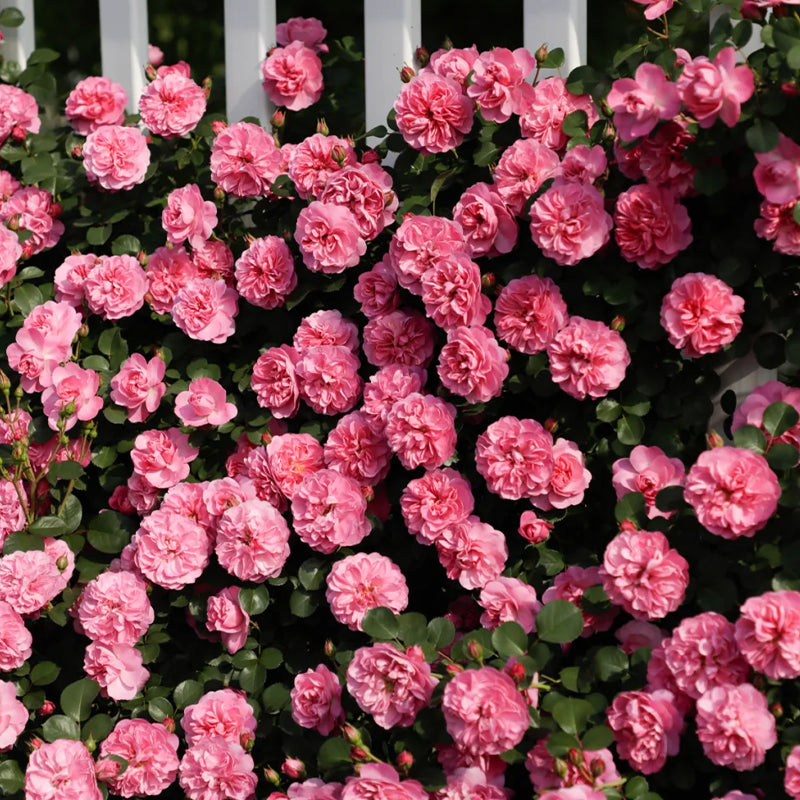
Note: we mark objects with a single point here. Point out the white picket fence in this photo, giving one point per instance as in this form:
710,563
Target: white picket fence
392,32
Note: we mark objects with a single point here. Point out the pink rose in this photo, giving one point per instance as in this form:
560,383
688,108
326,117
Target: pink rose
204,310
533,528
751,411
472,364
388,385
451,292
636,634
647,470
314,160
204,403
509,600
640,102
29,580
438,500
172,105
583,164
376,290
777,224
317,700
187,216
225,616
420,430
768,633
587,358
455,63
18,113
570,585
13,715
326,327
356,447
216,769
163,456
363,581
308,30
402,337
542,767
328,379
733,491
522,169
472,552
328,238
777,174
497,79
139,386
791,778
168,269
644,575
655,8
735,726
116,157
433,113
15,638
489,226
115,287
569,479
380,780
94,102
292,76
114,608
391,685
646,727
265,274
275,382
61,770
223,713
32,210
290,457
245,161
117,668
10,253
484,712
72,386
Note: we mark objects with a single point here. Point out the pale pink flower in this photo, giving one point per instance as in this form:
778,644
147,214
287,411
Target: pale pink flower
168,269
497,78
509,600
224,615
777,224
751,411
380,781
315,159
636,634
363,581
265,274
570,585
290,457
163,456
275,382
116,157
70,277
438,500
402,337
72,386
292,76
356,447
655,8
139,386
216,769
376,290
583,164
29,580
32,210
18,113
522,169
117,668
644,575
791,777
533,528
15,638
391,685
433,113
13,715
735,726
326,327
489,226
10,253
115,287
777,174
733,491
328,378
455,63
587,358
569,479
768,633
472,364
420,430
187,217
61,770
245,161
308,30
114,608
647,470
317,700
328,238
640,102
172,105
204,310
646,727
472,552
12,514
204,403
224,713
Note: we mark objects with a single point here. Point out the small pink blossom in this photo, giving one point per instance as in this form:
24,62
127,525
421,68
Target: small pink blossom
292,76
533,528
117,668
205,309
497,79
245,161
317,700
640,102
647,470
187,217
116,157
224,615
72,387
204,403
139,386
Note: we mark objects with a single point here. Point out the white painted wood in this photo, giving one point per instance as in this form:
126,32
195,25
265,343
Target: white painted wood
556,23
18,43
741,376
392,32
750,46
249,33
123,45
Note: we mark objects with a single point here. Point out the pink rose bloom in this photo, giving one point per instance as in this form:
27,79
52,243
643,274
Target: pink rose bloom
776,224
29,580
204,403
751,411
329,511
380,781
328,379
533,528
290,457
61,770
317,700
314,160
95,101
733,491
187,499
308,30
265,274
433,113
710,90
497,78
777,174
312,789
171,550
644,575
388,385
10,253
163,456
32,210
152,755
701,314
213,259
570,585
647,470
115,287
363,581
222,493
326,327
18,113
139,386
472,552
735,726
451,292
509,600
204,310
258,471
187,216
636,634
391,685
376,290
489,226
224,713
15,638
292,76
529,312
655,8
639,103
72,385
402,337
583,164
328,238
541,768
245,161
275,382
466,783
569,222
791,778
472,364
438,500
356,447
225,616
13,715
587,358
172,105
569,479
515,457
650,226
70,277
768,633
544,110
646,727
117,668
455,63
114,608
420,430
168,269
216,769
484,712
702,653
523,168
252,541
116,157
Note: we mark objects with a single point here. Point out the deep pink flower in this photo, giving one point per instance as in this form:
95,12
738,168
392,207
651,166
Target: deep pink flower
265,274
497,79
768,633
328,238
172,105
647,470
317,700
376,290
95,101
402,337
472,364
291,456
314,160
163,456
357,447
61,770
569,479
116,157
245,161
451,292
31,210
168,269
777,224
420,430
438,500
379,781
509,600
472,552
275,382
655,8
204,310
489,226
522,169
292,76
139,386
640,102
328,378
751,411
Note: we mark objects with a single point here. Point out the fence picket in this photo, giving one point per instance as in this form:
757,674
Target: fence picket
123,45
557,23
18,43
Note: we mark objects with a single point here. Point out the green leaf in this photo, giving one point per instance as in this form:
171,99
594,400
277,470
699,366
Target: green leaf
770,350
670,498
159,708
72,513
380,623
42,55
441,632
275,698
44,673
630,507
779,418
98,727
782,456
509,639
333,752
27,297
312,573
584,80
630,430
560,743
303,604
49,525
571,714
553,60
609,662
77,698
762,136
271,658
60,727
412,628
597,737
559,622
254,601
187,693
751,438
20,540
710,180
98,235
12,780
11,17
608,410
64,470
253,678
636,787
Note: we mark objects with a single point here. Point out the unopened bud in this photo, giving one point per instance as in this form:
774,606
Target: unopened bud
272,776
207,84
12,223
487,280
618,324
598,767
217,126
454,669
551,425
48,707
278,119
404,759
422,57
294,768
776,709
628,526
106,769
330,648
368,493
339,154
150,72
790,89
560,767
219,195
62,563
91,744
351,735
713,439
322,127
18,133
407,73
169,724
541,54
77,151
5,383
475,650
575,756
55,210
358,754
246,740
517,672
371,157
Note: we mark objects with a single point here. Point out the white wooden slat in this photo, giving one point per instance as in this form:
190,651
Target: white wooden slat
557,23
123,45
392,32
18,43
249,33
753,44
